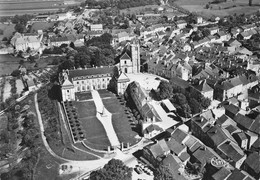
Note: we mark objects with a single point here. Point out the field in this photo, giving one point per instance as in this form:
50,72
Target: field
199,7
30,5
137,10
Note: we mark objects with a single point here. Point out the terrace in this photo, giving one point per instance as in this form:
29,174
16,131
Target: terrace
86,127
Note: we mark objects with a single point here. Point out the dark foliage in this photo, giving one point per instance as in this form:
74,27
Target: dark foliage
113,170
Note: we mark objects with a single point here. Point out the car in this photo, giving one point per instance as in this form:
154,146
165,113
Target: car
139,170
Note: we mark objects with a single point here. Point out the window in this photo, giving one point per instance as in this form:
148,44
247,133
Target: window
125,62
125,70
103,79
68,91
82,82
77,82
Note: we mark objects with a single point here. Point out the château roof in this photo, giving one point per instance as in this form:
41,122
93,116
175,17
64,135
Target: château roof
90,71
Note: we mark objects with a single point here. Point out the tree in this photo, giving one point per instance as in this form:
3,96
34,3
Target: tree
113,170
16,73
163,173
67,64
164,90
195,168
250,2
195,106
19,28
72,45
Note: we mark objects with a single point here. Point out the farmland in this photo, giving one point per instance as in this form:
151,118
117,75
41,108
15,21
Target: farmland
241,6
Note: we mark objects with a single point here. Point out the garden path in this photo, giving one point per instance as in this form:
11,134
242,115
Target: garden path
105,117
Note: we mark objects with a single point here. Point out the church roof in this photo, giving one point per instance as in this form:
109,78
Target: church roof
67,84
123,78
125,56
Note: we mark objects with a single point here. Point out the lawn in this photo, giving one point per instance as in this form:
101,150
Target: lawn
105,94
41,26
8,30
8,63
95,133
83,96
120,119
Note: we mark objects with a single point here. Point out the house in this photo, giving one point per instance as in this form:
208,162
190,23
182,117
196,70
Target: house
241,139
223,36
181,24
168,106
175,147
252,138
225,90
171,162
213,30
231,110
130,59
233,45
151,130
58,41
236,175
252,165
121,36
243,122
155,153
215,137
204,89
199,20
24,42
96,27
231,151
202,155
225,121
30,82
238,85
84,80
222,174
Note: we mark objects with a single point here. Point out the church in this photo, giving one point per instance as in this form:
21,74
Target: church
96,78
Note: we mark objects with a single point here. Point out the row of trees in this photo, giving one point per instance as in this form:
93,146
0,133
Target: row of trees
27,133
50,114
186,101
120,4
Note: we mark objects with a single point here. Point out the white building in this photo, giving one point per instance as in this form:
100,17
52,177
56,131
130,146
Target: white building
23,43
96,27
83,80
